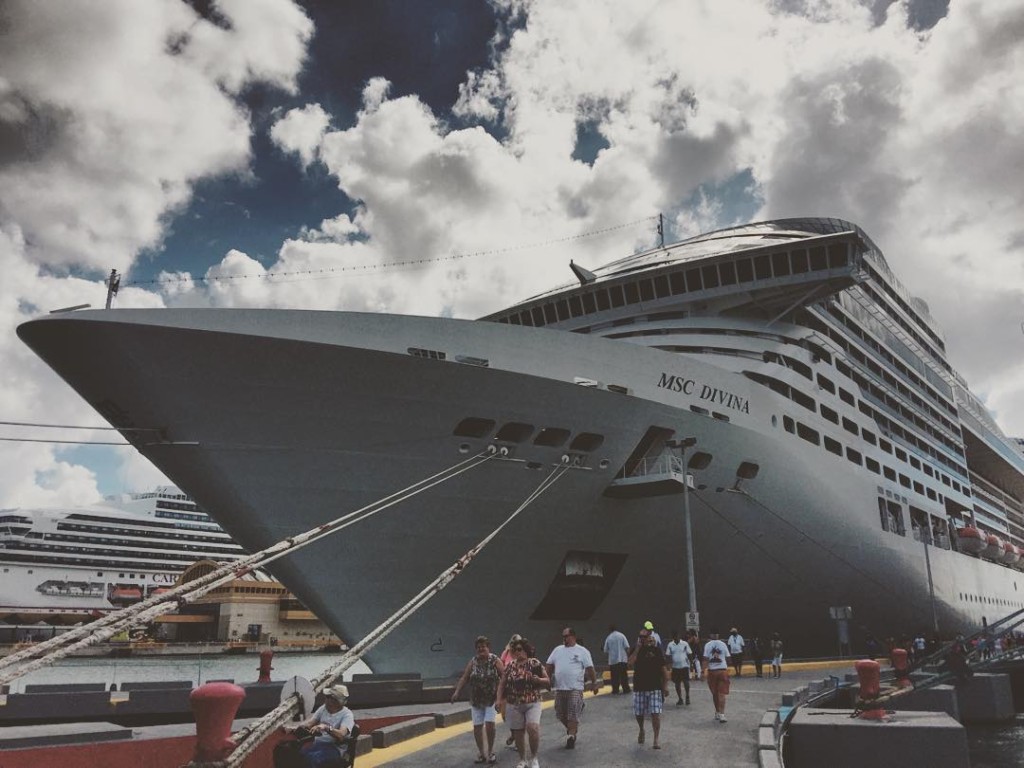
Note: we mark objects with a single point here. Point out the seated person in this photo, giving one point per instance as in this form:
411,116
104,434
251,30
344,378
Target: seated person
329,725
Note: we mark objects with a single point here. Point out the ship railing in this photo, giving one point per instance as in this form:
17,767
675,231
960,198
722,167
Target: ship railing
663,464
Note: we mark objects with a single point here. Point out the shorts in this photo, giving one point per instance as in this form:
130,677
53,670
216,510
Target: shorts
518,716
647,703
679,674
718,681
568,705
777,660
483,715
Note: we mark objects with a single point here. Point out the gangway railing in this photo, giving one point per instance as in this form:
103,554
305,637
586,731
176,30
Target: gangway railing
977,653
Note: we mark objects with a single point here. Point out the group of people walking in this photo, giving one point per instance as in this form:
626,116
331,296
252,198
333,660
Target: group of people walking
513,683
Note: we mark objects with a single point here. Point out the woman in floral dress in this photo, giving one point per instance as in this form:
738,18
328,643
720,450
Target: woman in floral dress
482,673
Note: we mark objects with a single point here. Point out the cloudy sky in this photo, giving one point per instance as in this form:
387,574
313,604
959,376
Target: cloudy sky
450,158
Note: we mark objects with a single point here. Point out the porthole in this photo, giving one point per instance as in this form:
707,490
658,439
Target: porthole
586,442
464,448
700,460
604,464
775,420
551,437
473,427
514,432
747,470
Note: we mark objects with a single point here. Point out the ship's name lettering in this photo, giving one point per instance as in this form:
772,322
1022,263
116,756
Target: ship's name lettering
704,392
164,578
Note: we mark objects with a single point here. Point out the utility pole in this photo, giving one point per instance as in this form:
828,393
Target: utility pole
926,537
113,283
682,445
661,231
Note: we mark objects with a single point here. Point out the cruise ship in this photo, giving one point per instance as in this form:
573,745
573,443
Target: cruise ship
68,564
776,379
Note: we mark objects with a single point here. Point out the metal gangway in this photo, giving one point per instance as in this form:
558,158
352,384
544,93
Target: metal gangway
956,661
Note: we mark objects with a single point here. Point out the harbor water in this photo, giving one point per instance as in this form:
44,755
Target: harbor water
997,746
199,669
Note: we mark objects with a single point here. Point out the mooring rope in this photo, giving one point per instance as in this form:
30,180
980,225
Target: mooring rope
250,737
56,648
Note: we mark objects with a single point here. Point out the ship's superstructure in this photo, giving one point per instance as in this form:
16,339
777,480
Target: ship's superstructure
838,465
58,564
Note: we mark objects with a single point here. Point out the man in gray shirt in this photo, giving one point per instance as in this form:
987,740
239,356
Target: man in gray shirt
617,647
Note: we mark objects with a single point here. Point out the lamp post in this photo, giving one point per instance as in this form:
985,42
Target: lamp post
682,445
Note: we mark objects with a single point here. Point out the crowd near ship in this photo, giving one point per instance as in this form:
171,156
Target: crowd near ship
68,564
837,464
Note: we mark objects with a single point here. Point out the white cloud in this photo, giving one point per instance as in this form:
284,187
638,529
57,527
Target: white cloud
110,111
301,131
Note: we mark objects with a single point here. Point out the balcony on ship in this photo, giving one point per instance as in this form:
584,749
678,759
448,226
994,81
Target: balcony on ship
661,475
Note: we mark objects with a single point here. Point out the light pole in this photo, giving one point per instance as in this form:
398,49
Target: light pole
682,445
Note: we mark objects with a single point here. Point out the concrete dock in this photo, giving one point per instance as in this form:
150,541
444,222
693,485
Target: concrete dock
608,733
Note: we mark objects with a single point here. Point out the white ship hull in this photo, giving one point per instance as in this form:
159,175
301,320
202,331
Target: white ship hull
284,420
39,592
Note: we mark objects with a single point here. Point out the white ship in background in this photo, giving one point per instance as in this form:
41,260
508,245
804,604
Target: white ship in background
839,460
66,564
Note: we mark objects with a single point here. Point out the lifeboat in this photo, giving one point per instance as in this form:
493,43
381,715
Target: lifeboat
125,595
993,549
1011,554
971,540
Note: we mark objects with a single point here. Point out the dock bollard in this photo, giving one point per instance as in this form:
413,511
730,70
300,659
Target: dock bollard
899,663
214,706
266,657
869,672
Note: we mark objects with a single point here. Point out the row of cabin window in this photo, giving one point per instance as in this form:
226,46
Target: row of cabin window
222,547
11,553
742,270
921,341
881,372
969,598
141,528
815,323
518,432
832,445
804,400
891,292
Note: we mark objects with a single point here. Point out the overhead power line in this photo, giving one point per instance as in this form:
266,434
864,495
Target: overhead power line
67,442
314,273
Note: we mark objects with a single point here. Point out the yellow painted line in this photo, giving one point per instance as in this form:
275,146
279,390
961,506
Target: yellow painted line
412,746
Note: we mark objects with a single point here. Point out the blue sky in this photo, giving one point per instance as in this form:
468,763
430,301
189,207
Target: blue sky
198,143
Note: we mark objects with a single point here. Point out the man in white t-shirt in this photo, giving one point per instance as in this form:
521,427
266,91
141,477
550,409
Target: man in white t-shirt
716,657
570,668
678,653
736,645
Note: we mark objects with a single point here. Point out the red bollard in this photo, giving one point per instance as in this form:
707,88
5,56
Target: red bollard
266,657
869,673
214,706
899,663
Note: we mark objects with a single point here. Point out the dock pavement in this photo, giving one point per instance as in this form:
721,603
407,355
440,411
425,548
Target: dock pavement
608,730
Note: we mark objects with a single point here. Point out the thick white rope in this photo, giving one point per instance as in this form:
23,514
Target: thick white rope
18,664
250,737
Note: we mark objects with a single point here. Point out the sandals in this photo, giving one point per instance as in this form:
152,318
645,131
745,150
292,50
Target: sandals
640,738
492,759
480,760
